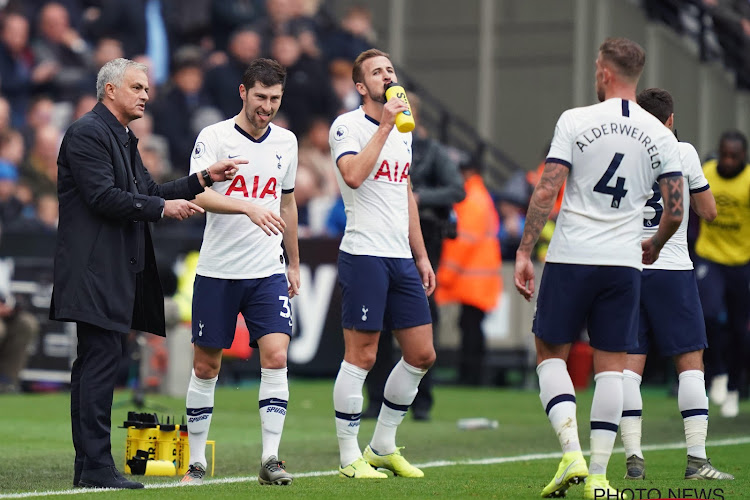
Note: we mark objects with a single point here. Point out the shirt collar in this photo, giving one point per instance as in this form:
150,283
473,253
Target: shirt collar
121,133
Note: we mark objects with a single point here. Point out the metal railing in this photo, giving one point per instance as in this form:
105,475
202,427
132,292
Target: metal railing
453,131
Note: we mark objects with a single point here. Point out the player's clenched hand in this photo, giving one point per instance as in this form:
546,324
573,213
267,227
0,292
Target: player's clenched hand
180,209
650,251
292,275
524,276
265,219
224,169
390,109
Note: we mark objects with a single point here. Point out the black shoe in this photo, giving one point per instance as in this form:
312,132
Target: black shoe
420,415
370,412
106,477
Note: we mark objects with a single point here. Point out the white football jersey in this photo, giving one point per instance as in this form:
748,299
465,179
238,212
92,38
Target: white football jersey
615,151
675,255
377,213
233,246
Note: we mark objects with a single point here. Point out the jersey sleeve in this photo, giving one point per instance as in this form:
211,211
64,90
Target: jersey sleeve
287,183
561,150
343,140
204,152
692,170
670,163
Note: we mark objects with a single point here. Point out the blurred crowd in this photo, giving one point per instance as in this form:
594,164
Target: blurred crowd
196,51
721,28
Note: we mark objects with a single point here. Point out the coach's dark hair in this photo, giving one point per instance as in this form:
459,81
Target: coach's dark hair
734,135
658,102
357,75
627,56
265,71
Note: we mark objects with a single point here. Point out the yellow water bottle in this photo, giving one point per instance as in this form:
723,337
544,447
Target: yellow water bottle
405,119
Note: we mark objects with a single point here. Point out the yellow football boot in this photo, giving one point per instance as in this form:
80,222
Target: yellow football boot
394,462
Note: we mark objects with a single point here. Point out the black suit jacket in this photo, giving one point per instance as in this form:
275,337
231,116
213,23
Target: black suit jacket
105,271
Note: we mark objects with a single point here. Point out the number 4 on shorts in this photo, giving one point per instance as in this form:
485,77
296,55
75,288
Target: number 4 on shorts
617,191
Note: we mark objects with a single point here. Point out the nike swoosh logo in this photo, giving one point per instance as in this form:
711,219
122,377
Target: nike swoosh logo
230,156
558,480
344,473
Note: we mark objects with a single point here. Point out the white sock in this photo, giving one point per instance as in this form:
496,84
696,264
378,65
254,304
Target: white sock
632,414
606,411
693,404
200,408
347,402
400,391
559,401
273,397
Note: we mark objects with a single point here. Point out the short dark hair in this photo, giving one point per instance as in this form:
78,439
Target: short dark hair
357,75
658,102
734,135
626,55
267,72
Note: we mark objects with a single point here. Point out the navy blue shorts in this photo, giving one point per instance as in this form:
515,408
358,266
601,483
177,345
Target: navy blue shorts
381,291
671,314
604,299
263,302
722,288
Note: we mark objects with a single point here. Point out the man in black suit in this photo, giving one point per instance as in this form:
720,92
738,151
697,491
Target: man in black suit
105,271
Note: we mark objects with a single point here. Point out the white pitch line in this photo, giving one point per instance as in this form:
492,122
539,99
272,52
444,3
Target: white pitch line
427,465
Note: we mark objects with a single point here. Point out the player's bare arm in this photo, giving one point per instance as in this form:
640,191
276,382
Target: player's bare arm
264,218
704,205
671,191
356,168
416,242
289,216
540,206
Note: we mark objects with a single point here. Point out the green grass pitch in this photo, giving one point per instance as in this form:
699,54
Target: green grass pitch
514,461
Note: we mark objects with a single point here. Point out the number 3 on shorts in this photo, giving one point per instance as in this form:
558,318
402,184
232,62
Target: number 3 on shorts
286,312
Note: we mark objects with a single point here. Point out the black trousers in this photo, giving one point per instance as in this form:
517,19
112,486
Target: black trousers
92,386
471,360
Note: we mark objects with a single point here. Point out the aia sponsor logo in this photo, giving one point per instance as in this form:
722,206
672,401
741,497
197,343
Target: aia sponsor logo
240,185
390,173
